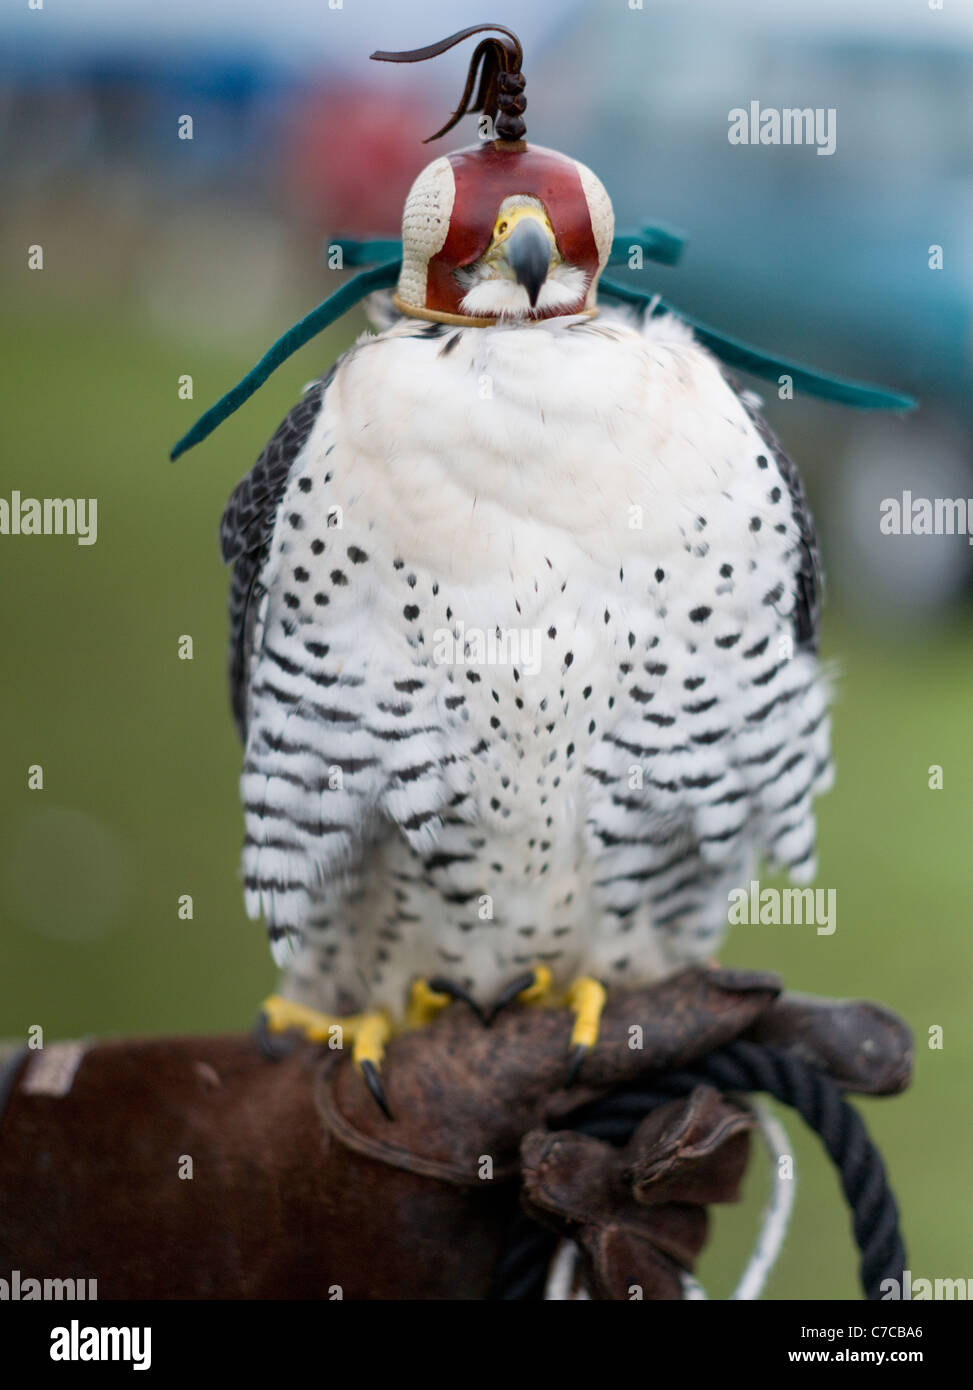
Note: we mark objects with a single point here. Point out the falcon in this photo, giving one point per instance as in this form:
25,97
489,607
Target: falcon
524,619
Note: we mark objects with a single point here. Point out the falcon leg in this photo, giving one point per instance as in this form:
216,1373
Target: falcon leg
280,1015
368,1034
425,1003
585,999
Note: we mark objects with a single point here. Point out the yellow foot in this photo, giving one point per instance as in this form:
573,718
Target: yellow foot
586,1000
539,988
368,1033
429,993
282,1015
534,987
369,1048
424,1004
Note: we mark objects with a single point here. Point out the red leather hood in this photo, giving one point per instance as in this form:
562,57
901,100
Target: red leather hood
484,176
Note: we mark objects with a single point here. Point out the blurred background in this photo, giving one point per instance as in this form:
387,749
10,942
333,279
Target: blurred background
166,256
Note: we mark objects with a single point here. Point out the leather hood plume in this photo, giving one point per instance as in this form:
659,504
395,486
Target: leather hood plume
500,94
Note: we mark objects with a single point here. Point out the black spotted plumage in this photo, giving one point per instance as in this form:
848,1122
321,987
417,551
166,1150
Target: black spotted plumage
650,717
248,524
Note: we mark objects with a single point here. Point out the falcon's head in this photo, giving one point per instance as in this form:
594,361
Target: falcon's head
502,232
521,272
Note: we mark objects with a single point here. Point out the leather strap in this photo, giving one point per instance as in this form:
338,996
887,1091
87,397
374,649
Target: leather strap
385,1151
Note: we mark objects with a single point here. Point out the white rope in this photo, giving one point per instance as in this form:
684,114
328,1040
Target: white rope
777,1213
561,1286
691,1288
563,1282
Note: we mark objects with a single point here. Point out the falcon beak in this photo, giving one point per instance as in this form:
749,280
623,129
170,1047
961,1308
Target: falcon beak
528,254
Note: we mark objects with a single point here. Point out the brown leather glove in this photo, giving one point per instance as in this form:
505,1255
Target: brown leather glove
638,1213
300,1188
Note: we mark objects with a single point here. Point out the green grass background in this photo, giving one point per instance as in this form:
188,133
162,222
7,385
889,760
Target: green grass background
140,773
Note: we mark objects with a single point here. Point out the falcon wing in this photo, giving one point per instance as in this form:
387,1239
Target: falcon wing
247,526
809,580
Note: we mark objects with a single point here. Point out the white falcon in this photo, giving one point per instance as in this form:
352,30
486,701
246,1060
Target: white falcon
524,618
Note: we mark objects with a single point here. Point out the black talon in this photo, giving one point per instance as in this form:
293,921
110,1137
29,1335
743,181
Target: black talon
511,993
440,986
575,1064
274,1046
370,1072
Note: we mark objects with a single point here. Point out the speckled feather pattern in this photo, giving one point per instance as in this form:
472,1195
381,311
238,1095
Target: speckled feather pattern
592,482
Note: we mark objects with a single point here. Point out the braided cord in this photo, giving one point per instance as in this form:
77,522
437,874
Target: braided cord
740,1066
